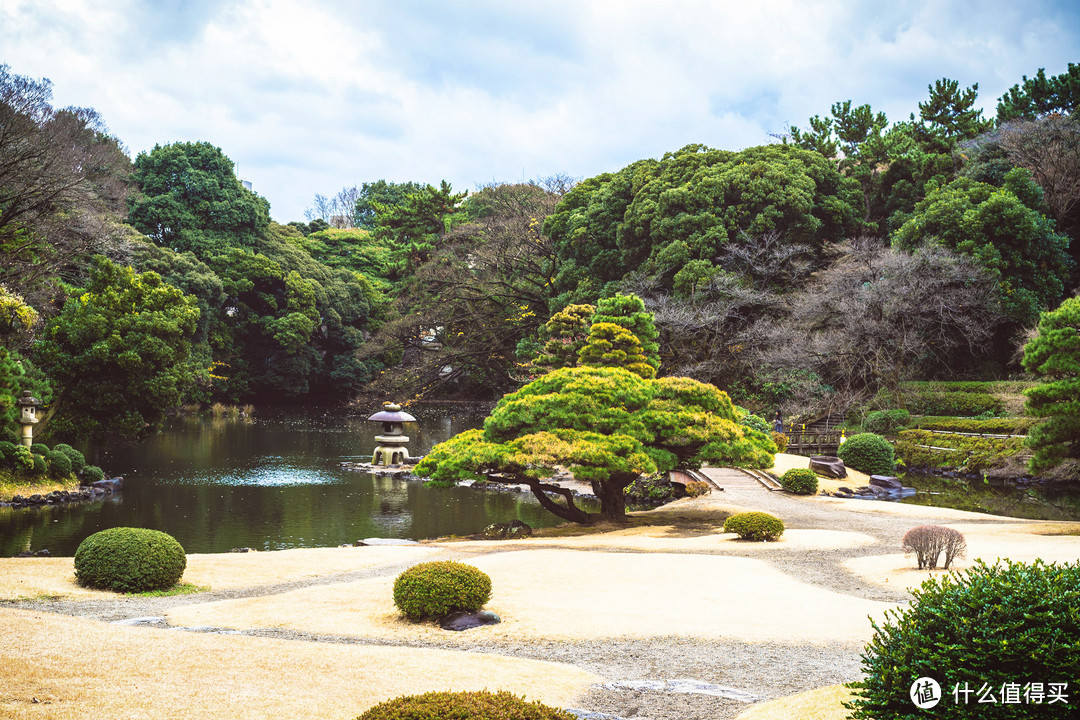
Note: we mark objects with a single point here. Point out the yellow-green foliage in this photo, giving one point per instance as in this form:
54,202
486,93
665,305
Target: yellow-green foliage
991,426
965,451
1054,354
607,425
482,705
129,560
611,345
697,488
758,526
801,481
436,589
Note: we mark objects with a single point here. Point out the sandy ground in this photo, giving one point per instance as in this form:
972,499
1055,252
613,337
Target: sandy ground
675,598
59,667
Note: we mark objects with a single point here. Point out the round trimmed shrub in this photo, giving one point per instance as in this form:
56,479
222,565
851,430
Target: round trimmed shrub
21,458
887,421
7,451
92,473
129,560
59,464
992,624
483,705
78,461
40,468
39,449
869,453
757,526
436,589
801,481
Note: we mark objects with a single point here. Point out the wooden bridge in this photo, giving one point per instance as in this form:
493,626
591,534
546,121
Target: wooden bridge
817,438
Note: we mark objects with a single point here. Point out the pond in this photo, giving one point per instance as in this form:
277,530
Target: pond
1010,500
270,483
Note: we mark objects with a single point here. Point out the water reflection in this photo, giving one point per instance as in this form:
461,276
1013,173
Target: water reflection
271,483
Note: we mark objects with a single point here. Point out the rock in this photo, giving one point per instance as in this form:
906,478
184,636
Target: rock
44,552
458,621
242,550
110,485
501,531
828,466
385,541
149,620
885,481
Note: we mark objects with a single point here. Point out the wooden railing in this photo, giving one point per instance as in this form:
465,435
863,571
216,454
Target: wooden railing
813,443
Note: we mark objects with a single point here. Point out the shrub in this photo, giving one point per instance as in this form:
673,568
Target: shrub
59,464
929,541
7,453
886,421
869,453
992,426
92,473
923,448
781,441
21,458
482,705
40,467
78,462
39,449
750,420
954,403
129,560
436,589
1005,623
697,488
801,481
755,526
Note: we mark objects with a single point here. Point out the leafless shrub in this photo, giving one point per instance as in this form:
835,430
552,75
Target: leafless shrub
929,541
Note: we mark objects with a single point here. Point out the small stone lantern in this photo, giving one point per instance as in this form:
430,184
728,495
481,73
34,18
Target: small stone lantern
28,405
391,449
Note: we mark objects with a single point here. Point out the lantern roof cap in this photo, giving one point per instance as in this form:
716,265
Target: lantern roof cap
27,400
392,412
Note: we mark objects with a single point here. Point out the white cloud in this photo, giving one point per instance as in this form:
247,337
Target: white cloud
309,97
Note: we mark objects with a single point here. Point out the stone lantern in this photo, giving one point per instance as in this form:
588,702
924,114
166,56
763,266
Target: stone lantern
28,405
391,449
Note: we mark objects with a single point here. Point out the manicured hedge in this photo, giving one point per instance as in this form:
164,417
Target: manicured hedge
994,426
756,526
129,560
801,481
989,626
967,452
482,705
869,453
436,589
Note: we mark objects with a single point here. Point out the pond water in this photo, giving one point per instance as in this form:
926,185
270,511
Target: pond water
1010,500
271,483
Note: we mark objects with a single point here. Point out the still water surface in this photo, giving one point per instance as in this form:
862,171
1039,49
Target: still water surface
270,483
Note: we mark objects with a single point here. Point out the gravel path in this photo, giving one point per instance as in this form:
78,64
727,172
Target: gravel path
763,670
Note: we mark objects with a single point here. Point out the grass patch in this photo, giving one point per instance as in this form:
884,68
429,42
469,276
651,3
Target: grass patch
183,588
11,486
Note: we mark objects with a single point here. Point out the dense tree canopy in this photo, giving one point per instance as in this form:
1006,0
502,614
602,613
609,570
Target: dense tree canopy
1054,355
1040,96
608,426
118,354
191,199
1003,230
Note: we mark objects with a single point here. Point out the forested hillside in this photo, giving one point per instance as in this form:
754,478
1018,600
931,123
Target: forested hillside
846,256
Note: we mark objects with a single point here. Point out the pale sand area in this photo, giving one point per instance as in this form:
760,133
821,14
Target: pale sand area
64,668
820,704
618,595
32,578
784,462
988,542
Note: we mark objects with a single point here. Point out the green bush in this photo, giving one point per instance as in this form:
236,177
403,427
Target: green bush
78,462
129,560
1011,387
801,481
886,421
482,705
7,453
92,473
40,467
920,448
992,426
750,420
963,404
755,526
21,459
39,449
1005,623
59,464
869,453
436,589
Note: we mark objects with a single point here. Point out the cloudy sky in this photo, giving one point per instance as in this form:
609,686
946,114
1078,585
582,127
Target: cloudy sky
308,97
